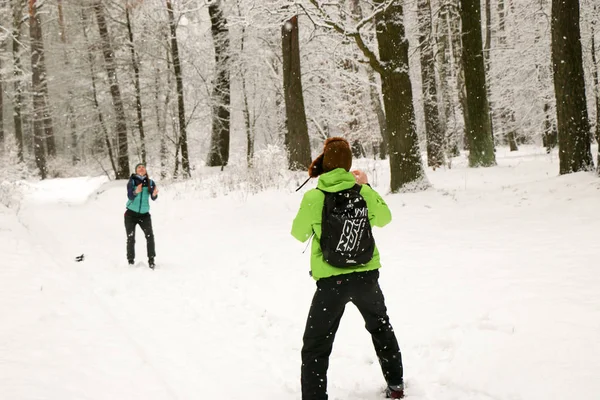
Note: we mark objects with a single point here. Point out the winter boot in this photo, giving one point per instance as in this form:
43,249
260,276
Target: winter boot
395,391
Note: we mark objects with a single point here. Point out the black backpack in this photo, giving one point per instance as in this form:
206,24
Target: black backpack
346,236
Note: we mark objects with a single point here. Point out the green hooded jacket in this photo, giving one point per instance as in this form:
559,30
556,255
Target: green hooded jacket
308,220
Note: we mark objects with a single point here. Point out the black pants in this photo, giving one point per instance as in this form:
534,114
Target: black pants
145,222
326,310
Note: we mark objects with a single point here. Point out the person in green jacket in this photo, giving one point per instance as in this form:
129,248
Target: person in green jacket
336,286
140,188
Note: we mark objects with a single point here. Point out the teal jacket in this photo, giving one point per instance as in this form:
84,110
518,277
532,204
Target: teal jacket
139,202
308,220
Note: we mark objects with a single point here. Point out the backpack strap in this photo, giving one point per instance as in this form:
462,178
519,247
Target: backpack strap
356,188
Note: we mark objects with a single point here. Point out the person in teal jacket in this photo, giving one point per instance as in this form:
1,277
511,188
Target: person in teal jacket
140,189
338,286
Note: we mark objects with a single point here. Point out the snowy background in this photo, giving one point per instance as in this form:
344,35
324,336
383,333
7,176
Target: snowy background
490,277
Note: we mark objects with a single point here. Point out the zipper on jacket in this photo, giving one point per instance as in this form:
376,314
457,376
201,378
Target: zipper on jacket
141,198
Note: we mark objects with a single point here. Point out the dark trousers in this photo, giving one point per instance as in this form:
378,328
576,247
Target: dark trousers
145,222
326,310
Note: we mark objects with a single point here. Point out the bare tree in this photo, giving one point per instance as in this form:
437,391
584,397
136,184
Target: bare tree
487,53
136,80
569,86
38,65
182,142
41,141
448,64
506,113
478,125
115,92
221,97
70,95
2,50
434,134
296,138
596,85
392,65
405,156
248,124
17,9
100,116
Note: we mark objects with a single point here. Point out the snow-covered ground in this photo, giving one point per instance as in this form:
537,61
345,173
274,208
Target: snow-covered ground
491,279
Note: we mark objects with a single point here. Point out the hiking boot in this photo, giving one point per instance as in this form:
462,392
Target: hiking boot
395,391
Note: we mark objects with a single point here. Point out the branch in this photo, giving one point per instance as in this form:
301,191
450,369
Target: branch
330,24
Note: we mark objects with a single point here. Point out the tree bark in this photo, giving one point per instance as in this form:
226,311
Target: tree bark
478,125
446,72
487,53
115,92
40,108
378,108
550,138
433,129
182,142
569,86
17,8
221,96
2,136
405,156
40,81
296,139
136,81
161,122
250,135
501,22
596,87
70,112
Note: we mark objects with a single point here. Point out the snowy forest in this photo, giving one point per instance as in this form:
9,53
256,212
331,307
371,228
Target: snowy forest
471,134
98,85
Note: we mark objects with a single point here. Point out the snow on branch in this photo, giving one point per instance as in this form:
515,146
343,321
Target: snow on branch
329,23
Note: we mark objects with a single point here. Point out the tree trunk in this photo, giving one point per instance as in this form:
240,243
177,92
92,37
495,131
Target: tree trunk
136,80
70,112
250,135
596,87
40,108
115,92
40,81
512,132
457,70
296,139
221,96
550,138
107,141
183,142
445,67
2,137
487,54
434,133
18,77
161,123
479,135
378,108
405,156
501,22
571,108
382,149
